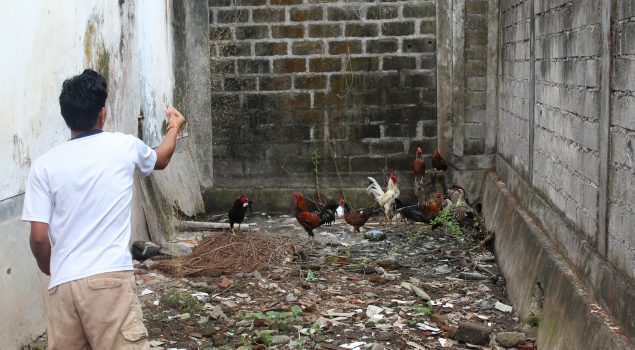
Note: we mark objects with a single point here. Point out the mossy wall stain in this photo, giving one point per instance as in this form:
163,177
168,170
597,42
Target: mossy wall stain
95,54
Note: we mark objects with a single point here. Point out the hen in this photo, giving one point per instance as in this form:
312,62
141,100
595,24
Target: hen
385,199
433,207
310,220
356,219
237,212
438,162
412,212
418,166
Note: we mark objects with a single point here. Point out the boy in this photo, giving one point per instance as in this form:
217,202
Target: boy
77,199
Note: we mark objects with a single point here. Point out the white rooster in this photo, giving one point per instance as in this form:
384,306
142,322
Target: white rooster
385,199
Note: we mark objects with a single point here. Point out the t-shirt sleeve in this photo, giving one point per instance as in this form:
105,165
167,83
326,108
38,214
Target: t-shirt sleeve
38,202
147,158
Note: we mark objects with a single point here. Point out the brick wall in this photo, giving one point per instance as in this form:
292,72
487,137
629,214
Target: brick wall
355,80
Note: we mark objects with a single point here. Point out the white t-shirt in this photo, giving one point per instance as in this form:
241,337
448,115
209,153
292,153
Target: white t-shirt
83,189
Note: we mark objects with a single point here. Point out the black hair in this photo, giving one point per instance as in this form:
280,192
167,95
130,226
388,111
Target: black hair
82,98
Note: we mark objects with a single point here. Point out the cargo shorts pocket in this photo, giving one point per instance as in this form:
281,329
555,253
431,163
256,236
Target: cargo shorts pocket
104,283
134,333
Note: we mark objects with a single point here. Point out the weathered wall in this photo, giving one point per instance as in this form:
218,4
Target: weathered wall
130,42
354,80
565,106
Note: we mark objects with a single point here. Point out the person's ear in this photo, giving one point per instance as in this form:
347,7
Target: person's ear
102,116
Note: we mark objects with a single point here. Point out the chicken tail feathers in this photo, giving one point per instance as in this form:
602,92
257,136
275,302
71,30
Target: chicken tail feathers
374,188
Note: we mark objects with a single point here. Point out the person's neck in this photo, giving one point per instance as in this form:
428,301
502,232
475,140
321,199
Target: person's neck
75,133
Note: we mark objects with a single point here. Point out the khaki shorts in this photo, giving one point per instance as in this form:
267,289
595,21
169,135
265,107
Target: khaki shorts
96,312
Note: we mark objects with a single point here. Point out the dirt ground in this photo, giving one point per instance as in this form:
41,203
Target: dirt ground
419,288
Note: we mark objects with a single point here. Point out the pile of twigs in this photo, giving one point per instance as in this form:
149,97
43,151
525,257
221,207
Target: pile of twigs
225,254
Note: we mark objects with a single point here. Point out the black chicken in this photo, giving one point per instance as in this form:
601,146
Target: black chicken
237,211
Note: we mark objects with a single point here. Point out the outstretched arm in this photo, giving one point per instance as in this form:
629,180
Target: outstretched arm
167,146
41,246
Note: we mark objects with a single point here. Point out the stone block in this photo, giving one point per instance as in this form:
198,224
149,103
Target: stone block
285,2
366,64
427,62
221,66
345,47
220,33
399,63
410,97
268,15
314,13
289,65
399,130
419,45
309,82
234,49
287,31
271,49
386,147
420,79
325,30
428,27
382,12
476,7
350,13
275,83
252,32
363,131
361,29
251,2
368,164
240,84
253,66
382,46
307,47
472,332
419,10
476,38
397,28
325,64
231,16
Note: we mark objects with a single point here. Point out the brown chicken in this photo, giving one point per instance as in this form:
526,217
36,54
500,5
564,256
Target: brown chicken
356,219
433,207
438,162
309,220
418,166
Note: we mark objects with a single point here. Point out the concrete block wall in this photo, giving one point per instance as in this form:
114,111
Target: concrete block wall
475,76
354,80
515,61
567,109
621,166
566,133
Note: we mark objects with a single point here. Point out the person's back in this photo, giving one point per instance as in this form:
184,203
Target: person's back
79,196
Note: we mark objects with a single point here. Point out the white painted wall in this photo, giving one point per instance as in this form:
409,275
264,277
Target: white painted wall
45,42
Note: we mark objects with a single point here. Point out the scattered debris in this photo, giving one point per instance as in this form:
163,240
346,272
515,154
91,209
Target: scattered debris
271,289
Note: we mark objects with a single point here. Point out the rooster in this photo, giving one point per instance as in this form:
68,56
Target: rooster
438,162
237,211
309,220
356,219
418,166
385,199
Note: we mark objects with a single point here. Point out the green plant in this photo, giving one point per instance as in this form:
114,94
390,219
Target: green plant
184,301
446,219
296,310
315,160
310,277
422,310
257,315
